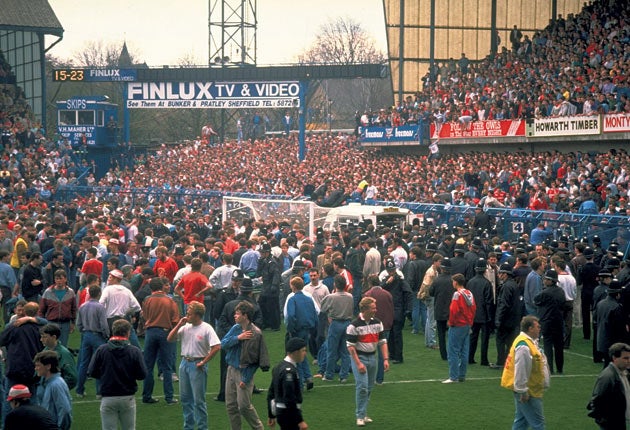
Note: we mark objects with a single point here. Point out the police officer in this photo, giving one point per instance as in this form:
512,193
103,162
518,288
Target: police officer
508,314
269,271
481,289
284,398
550,304
611,321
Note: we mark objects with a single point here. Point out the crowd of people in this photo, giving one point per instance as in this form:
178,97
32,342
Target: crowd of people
167,269
575,66
347,297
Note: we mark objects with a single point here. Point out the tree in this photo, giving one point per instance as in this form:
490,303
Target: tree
342,41
98,54
345,41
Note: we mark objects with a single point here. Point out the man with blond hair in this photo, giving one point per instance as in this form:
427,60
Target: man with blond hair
199,344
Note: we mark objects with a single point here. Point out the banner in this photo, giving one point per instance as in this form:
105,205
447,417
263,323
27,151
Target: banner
488,128
566,126
616,123
76,133
405,133
213,95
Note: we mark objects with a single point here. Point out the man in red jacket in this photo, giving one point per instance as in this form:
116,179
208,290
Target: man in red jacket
460,319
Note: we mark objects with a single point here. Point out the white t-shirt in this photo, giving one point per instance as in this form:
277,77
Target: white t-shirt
197,340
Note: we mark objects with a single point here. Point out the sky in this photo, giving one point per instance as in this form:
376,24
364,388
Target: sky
161,32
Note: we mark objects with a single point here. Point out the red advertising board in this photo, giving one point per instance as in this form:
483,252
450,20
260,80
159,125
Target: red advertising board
491,128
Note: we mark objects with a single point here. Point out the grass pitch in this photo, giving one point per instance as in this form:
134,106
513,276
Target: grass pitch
412,396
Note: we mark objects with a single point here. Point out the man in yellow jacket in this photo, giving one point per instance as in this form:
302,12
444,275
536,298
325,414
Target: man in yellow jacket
526,373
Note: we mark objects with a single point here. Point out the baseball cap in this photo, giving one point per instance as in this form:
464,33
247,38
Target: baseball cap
116,274
18,391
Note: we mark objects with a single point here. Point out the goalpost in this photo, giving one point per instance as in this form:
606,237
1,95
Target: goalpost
305,213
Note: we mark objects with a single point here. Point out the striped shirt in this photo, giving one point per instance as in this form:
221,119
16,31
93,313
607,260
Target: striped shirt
365,336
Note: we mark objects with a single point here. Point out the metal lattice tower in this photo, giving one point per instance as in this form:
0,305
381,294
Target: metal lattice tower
232,32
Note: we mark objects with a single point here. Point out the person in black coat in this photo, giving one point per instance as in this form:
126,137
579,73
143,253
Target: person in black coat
608,402
269,271
600,293
549,305
588,275
611,321
482,292
459,264
508,315
393,281
284,398
442,291
24,414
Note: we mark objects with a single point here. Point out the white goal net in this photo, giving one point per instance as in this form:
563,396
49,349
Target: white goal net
305,213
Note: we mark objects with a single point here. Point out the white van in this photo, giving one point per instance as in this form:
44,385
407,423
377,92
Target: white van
379,216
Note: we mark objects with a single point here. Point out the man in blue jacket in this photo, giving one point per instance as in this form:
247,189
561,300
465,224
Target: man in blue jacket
301,320
245,353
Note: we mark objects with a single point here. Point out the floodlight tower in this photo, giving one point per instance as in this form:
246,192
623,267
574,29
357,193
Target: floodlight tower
232,32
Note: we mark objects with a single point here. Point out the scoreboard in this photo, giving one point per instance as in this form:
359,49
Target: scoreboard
94,75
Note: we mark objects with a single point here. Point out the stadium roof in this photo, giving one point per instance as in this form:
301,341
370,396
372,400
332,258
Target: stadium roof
32,15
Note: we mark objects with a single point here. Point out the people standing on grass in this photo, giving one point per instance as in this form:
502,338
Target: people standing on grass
199,345
385,314
460,319
53,393
365,335
284,398
526,374
301,319
92,324
481,289
550,308
338,306
160,314
67,368
609,403
246,351
118,365
508,314
26,415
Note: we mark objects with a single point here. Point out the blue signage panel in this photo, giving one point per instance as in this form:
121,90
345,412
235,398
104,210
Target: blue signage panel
404,133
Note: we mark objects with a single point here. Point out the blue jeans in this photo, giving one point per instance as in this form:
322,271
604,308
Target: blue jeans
364,382
380,372
418,316
337,349
156,345
304,369
429,328
357,293
65,331
90,341
458,347
528,414
192,391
